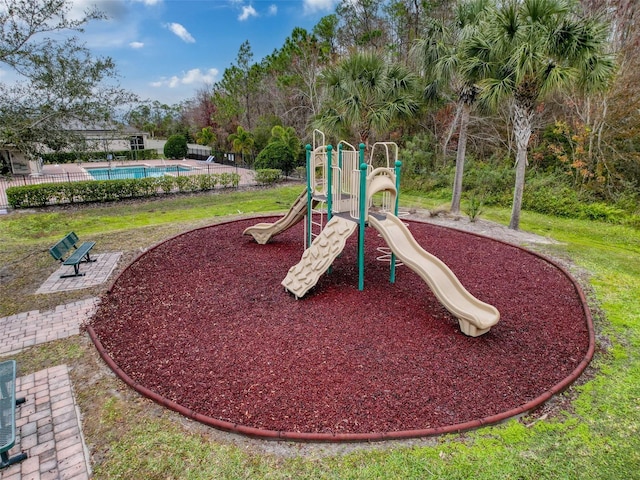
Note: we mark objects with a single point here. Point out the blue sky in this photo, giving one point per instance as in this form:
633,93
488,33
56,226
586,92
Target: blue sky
166,50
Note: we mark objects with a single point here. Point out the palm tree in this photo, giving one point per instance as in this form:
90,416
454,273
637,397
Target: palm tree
528,50
441,61
206,136
288,137
365,94
242,142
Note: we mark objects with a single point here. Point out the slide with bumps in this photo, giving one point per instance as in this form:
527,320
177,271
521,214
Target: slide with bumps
474,316
319,256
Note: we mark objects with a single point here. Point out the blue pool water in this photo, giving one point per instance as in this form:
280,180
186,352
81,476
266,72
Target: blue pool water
135,172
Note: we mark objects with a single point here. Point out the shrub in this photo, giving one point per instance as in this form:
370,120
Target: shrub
176,147
29,196
229,179
474,207
206,182
167,183
633,221
428,182
418,156
559,201
148,187
276,155
68,157
111,190
545,196
71,157
301,172
602,211
185,184
492,180
268,176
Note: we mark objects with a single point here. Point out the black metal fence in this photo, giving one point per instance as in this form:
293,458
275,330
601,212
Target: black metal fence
122,172
199,153
222,158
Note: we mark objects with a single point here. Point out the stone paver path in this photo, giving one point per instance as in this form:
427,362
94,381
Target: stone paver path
95,273
48,429
24,330
48,425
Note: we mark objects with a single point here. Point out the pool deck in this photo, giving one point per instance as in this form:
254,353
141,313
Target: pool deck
196,165
79,168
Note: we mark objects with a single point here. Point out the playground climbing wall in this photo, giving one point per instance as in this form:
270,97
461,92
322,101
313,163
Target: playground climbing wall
318,258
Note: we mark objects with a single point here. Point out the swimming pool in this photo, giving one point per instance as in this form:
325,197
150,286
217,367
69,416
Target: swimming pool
139,171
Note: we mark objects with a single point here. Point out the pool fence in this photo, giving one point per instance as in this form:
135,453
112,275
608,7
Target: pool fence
76,172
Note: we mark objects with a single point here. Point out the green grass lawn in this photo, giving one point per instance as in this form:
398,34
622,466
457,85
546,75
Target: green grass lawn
589,432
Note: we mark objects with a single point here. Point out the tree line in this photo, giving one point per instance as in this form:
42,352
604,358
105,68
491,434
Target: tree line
541,85
548,84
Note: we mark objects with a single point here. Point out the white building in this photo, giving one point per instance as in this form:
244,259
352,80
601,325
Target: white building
18,163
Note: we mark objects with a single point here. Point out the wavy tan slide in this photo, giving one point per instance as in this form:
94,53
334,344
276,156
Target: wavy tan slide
262,232
475,317
319,256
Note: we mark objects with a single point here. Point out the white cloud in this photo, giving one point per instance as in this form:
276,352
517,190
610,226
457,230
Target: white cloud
136,45
273,10
247,12
193,76
313,6
149,3
181,32
196,76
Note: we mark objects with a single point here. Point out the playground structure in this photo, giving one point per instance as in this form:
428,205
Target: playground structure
338,200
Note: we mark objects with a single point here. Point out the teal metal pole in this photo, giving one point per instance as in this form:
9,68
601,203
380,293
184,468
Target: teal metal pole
392,274
340,172
309,194
398,165
362,213
329,190
329,182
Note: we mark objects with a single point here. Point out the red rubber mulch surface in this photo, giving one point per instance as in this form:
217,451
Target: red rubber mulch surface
201,324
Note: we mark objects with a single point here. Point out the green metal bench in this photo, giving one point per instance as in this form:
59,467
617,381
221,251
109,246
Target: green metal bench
8,402
80,253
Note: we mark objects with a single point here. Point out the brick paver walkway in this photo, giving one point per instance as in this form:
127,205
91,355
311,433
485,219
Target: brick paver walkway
48,425
95,273
24,330
48,429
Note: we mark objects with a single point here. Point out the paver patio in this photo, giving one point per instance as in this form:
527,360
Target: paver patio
95,273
